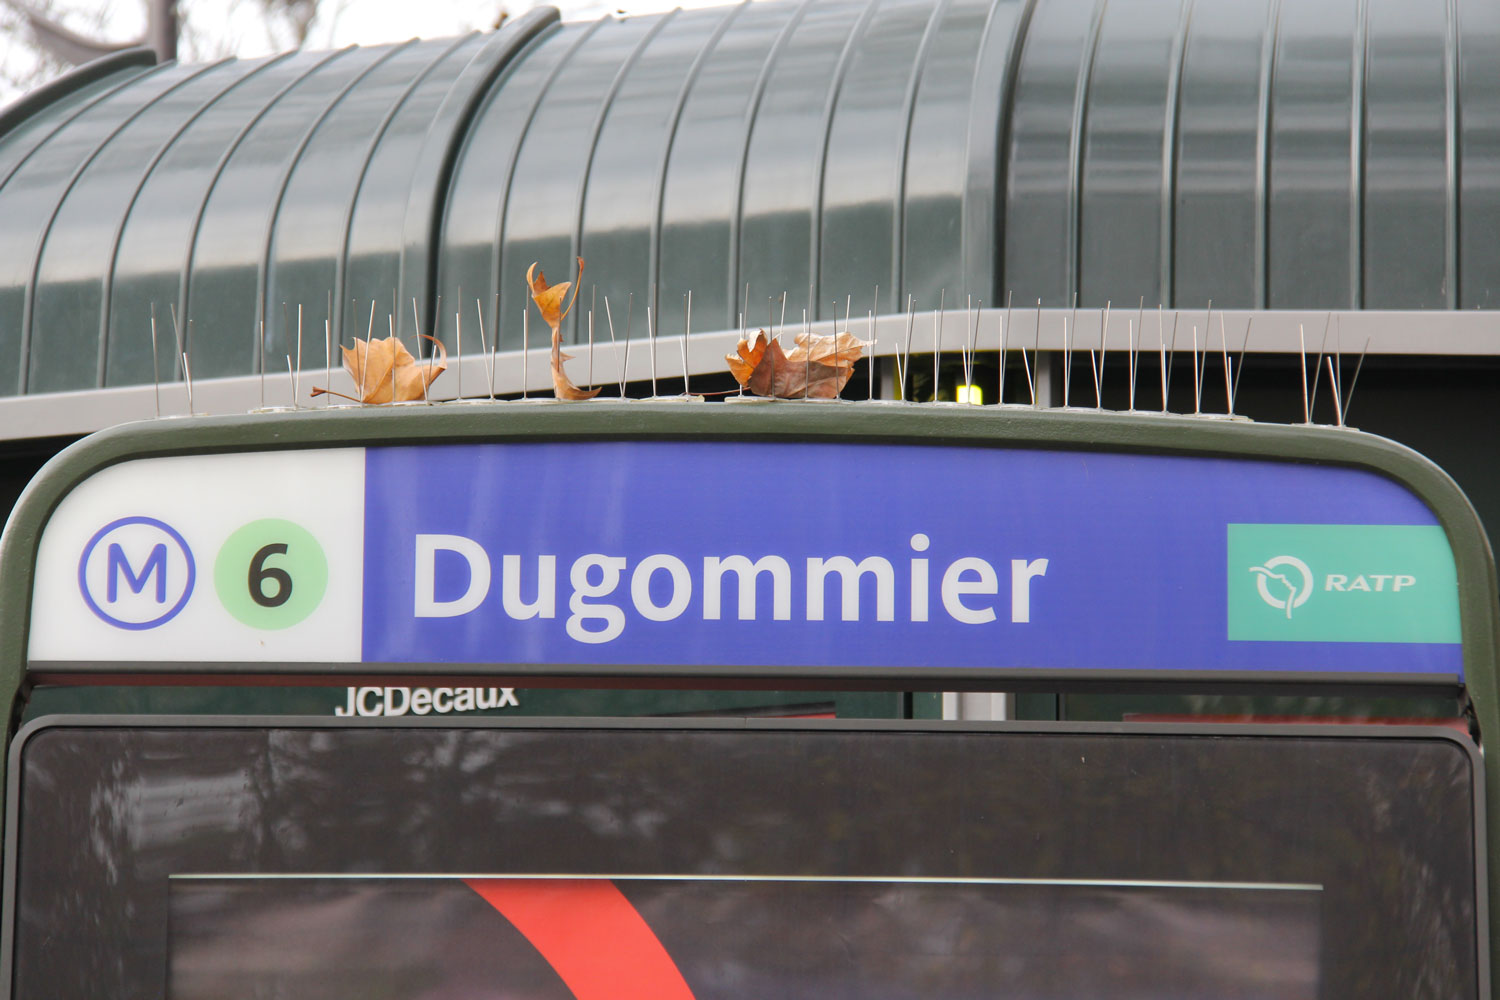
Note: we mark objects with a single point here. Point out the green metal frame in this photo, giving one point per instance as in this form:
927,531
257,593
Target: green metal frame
871,423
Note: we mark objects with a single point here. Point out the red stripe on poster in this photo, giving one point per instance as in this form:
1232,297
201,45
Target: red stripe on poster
590,934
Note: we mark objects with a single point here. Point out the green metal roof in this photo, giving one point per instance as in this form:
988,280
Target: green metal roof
1265,154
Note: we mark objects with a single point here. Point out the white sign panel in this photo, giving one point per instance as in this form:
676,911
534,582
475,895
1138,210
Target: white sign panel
242,557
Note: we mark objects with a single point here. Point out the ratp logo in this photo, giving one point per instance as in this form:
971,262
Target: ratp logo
1374,583
136,573
1284,590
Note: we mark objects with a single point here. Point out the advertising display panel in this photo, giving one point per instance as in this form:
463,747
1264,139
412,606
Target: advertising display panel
443,565
677,859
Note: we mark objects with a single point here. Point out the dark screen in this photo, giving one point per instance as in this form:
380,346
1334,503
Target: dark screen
112,819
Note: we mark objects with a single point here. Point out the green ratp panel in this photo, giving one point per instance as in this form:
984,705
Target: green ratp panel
1264,153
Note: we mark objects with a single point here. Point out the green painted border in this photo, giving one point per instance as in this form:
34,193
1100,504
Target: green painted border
868,423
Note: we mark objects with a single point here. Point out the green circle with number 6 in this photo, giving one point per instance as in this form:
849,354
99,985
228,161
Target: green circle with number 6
271,574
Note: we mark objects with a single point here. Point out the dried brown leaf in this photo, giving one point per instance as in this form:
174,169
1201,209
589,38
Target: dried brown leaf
384,368
549,298
843,349
562,386
549,301
817,368
747,355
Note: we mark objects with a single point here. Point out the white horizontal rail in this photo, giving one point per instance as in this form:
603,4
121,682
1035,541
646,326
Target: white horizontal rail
1256,331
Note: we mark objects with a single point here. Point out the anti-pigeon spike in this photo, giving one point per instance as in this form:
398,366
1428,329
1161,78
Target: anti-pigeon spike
1338,353
156,378
911,320
484,349
1349,396
177,335
1239,368
629,317
806,353
1202,360
1103,348
651,338
1302,367
937,340
1208,332
328,356
495,351
1172,351
1338,406
328,347
1026,365
1067,364
1140,331
187,374
614,347
1161,333
1312,399
968,346
687,330
1004,332
1228,382
1067,348
835,304
297,378
393,367
1197,376
417,327
1094,369
1036,349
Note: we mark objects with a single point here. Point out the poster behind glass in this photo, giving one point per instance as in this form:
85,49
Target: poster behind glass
528,938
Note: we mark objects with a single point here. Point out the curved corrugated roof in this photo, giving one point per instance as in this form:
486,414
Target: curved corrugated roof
1311,155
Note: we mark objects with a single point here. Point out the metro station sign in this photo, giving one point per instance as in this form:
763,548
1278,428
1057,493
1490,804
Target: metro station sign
744,558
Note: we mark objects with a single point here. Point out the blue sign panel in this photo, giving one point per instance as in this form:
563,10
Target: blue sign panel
739,554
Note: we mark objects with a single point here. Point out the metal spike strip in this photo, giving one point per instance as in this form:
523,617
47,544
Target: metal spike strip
1329,358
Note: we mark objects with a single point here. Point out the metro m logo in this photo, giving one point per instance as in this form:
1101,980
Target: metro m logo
154,562
119,565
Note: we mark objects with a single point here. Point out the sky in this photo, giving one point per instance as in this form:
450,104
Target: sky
216,28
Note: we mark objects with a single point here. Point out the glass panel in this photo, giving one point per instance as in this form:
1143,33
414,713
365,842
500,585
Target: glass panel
111,819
